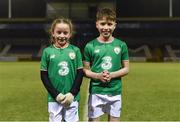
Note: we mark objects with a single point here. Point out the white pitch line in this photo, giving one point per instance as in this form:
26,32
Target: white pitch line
85,110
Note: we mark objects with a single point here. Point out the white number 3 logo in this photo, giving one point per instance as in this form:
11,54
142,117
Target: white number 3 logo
64,70
106,63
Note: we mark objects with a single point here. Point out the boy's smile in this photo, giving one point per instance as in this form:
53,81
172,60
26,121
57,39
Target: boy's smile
105,27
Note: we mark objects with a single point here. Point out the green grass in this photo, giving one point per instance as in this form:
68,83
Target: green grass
22,95
151,92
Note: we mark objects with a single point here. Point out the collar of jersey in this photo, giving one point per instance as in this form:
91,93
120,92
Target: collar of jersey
105,42
60,47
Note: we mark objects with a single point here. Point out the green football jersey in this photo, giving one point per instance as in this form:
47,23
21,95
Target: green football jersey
62,65
106,56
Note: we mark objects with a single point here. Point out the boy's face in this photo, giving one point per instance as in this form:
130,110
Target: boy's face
61,34
105,27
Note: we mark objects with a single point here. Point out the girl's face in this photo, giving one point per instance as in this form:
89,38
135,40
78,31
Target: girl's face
61,34
105,28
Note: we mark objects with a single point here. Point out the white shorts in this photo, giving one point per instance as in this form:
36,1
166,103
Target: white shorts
57,112
99,104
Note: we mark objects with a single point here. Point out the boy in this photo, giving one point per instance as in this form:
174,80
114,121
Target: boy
106,60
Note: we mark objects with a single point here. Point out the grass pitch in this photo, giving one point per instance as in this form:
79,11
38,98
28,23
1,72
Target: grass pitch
151,92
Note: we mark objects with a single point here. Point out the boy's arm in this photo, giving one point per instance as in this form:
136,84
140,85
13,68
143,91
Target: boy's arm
91,74
122,72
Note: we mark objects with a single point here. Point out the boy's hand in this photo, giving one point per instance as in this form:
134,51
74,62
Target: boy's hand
68,99
100,77
106,75
60,97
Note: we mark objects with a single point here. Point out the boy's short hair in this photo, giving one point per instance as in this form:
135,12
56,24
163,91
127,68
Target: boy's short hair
106,13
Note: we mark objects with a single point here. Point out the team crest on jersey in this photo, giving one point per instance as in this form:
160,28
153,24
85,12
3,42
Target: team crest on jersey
72,55
117,50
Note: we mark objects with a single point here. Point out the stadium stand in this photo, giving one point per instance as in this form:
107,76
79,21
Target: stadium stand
173,52
22,40
148,39
26,41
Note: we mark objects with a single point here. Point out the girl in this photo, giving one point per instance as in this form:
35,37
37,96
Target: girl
61,73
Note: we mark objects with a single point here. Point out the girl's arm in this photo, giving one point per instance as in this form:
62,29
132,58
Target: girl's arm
49,87
77,82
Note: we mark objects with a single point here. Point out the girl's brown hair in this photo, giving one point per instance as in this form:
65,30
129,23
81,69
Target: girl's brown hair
57,21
